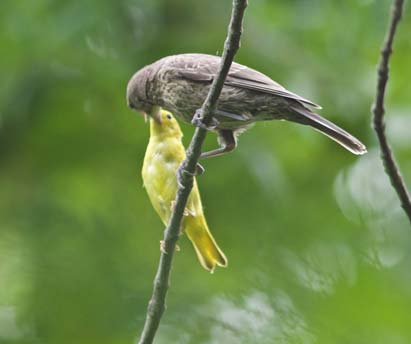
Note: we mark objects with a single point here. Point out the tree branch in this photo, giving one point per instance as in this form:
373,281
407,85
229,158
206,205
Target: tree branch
156,305
391,167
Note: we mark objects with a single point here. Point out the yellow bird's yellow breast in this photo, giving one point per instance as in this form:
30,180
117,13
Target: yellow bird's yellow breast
160,166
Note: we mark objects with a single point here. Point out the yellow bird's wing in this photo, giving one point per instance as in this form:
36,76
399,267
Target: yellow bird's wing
196,228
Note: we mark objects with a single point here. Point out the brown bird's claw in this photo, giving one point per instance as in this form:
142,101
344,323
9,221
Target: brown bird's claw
182,170
199,170
198,121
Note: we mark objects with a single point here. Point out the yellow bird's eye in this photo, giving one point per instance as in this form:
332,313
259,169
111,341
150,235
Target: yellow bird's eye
168,116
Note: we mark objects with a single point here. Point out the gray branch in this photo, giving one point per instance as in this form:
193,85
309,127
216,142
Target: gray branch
157,305
391,167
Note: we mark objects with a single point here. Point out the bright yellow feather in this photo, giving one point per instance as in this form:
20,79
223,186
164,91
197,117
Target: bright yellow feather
164,154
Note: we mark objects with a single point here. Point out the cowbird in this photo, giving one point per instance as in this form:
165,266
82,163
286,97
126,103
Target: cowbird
180,84
164,154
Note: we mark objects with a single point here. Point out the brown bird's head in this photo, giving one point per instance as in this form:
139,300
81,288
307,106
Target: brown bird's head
137,93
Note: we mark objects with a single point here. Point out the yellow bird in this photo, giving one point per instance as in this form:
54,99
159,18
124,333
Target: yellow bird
164,154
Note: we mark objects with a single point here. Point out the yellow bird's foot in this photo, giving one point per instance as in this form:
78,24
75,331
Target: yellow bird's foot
163,247
186,212
173,205
189,212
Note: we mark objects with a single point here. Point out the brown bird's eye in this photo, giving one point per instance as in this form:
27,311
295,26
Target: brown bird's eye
169,116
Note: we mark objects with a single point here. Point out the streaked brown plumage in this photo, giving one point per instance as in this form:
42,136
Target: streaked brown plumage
180,84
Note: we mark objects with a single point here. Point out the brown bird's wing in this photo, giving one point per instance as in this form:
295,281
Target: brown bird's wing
203,68
241,76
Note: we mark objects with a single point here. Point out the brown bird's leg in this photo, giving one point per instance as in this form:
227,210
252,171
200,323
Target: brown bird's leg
227,141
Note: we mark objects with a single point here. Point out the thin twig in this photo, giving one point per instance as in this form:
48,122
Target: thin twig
156,305
391,167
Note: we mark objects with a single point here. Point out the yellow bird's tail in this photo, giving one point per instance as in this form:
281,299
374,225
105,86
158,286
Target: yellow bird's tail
208,252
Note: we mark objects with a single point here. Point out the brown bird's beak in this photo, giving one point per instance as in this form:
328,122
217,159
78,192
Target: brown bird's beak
155,114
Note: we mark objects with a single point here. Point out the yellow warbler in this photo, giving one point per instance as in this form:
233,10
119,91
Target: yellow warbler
164,154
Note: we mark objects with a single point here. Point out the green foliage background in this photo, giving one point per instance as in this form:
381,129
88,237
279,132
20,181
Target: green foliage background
318,247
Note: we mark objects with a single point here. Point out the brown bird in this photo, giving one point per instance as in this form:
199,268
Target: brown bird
180,84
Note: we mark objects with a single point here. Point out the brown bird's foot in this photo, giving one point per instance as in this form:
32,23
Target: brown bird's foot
199,170
173,206
198,121
163,247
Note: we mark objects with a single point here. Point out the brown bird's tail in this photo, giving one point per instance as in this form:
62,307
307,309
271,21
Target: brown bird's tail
349,142
208,252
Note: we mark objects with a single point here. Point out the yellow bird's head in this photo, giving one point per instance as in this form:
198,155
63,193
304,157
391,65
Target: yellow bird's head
166,125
